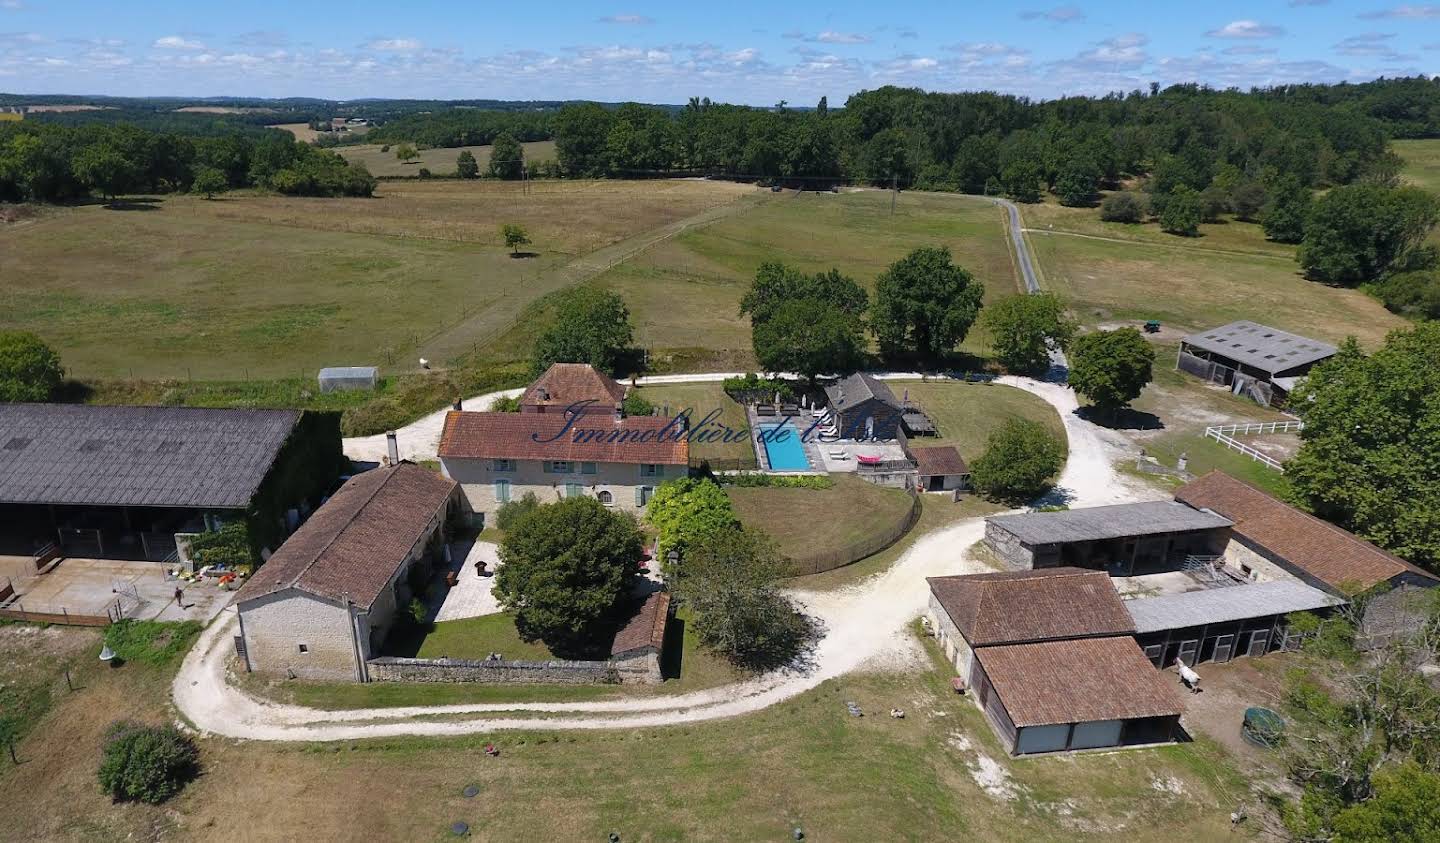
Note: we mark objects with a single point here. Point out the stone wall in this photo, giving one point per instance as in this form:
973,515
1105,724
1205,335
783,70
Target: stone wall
641,670
1013,552
478,479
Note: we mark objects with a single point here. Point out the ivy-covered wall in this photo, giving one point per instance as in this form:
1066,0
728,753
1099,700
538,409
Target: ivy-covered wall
308,467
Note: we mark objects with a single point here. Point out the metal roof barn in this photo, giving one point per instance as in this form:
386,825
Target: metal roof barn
1098,523
1260,346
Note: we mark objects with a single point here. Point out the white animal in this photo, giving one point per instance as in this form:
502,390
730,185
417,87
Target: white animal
424,364
1188,676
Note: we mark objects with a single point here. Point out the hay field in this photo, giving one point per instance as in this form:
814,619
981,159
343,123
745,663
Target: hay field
261,286
439,161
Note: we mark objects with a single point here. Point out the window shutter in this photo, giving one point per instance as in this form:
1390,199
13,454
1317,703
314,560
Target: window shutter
588,468
502,491
639,495
545,466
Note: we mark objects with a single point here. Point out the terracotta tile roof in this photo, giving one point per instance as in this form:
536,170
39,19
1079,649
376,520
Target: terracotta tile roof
939,459
564,384
1020,606
355,543
646,628
1078,681
1324,551
543,436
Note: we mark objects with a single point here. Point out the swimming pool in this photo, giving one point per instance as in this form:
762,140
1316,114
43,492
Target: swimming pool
784,448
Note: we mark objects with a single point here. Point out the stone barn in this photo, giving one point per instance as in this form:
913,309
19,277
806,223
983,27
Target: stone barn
326,600
1123,539
864,408
1050,659
580,385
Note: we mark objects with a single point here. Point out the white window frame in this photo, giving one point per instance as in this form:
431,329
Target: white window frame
503,465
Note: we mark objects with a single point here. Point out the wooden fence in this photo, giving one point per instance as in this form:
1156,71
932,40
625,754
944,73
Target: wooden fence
816,563
1225,435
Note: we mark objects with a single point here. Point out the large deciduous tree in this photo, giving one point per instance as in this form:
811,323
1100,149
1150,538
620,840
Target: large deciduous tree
1110,368
1020,458
730,580
1181,212
507,157
1369,458
684,510
1284,216
1357,232
29,369
591,326
568,568
925,304
805,323
466,167
1025,328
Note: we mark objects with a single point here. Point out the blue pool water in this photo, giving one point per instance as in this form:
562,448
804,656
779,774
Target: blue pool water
783,447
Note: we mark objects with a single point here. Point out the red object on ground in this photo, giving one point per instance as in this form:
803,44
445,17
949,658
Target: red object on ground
958,684
863,459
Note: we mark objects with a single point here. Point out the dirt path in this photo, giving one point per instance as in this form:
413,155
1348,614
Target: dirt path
865,625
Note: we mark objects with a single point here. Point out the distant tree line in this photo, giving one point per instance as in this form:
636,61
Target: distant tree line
463,127
49,163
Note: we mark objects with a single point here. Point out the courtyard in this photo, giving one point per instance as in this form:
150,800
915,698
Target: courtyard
117,588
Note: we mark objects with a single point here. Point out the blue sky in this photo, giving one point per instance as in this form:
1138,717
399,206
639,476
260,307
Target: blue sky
736,51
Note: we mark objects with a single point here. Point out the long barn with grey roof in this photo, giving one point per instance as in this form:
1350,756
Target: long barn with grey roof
122,482
1123,539
1256,360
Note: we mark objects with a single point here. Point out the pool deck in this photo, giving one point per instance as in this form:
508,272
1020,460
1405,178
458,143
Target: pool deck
802,421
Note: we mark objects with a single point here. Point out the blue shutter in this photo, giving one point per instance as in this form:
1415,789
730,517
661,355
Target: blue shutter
502,491
588,468
639,495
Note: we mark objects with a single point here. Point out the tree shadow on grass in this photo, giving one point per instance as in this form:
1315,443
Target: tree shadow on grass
523,255
132,205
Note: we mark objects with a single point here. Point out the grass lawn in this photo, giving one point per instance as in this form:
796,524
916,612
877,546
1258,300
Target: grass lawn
810,523
1191,287
1422,162
967,413
253,286
684,295
1228,235
702,399
439,161
800,763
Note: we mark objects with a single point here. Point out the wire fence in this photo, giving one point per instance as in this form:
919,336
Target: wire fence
816,563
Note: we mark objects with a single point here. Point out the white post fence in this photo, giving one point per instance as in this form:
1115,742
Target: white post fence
1225,435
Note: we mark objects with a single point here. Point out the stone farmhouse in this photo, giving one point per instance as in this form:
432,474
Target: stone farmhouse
566,385
326,600
1051,659
1251,359
864,408
500,457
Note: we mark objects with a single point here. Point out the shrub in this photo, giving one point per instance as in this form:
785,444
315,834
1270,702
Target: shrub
146,763
505,405
1126,206
1415,294
29,369
637,405
751,387
746,479
1019,460
509,514
229,546
687,509
1182,212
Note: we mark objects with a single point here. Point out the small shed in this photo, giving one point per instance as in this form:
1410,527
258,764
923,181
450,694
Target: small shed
340,378
1251,359
941,469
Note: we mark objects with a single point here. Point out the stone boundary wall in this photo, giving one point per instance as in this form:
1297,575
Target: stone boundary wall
645,670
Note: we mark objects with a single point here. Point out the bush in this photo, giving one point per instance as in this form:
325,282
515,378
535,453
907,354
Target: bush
1182,212
1414,294
229,546
751,387
685,510
1019,460
1126,206
146,763
637,405
509,514
29,369
747,479
505,405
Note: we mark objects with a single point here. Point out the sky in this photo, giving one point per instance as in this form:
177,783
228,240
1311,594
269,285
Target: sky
733,51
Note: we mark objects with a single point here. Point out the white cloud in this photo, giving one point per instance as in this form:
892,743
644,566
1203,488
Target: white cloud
831,37
393,45
1059,14
1125,50
177,42
1426,12
627,20
12,5
1246,29
1249,50
1371,44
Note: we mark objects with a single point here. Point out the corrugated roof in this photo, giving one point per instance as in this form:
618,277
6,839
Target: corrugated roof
1077,681
1018,606
544,436
1324,551
939,459
1107,522
355,543
564,384
1260,346
1224,605
137,456
857,389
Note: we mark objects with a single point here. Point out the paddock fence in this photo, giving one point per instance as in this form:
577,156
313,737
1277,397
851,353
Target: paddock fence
816,563
1225,434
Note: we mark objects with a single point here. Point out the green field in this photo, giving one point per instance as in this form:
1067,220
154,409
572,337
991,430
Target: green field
809,523
965,414
1111,273
440,161
684,295
1422,162
256,286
